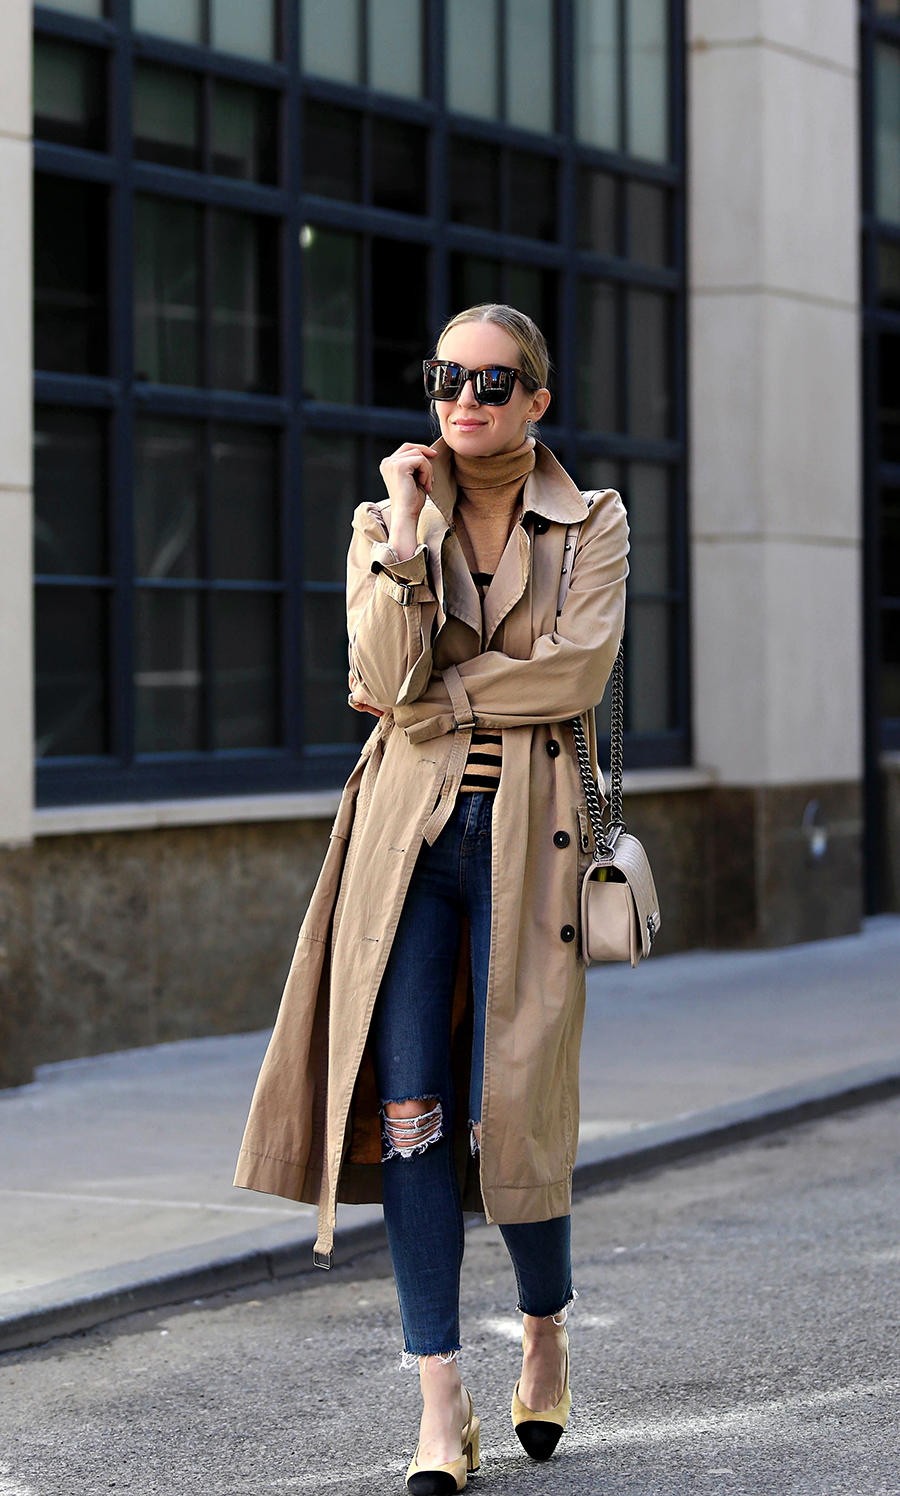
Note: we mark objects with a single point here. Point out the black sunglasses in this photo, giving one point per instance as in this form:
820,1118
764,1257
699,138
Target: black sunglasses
492,385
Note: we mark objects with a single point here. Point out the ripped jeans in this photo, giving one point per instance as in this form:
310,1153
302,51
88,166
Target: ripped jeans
410,1038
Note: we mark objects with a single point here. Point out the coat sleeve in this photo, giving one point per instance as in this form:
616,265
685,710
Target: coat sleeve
567,670
390,613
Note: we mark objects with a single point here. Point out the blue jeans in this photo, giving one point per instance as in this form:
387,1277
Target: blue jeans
410,1037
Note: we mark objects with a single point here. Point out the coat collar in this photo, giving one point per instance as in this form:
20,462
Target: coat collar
549,491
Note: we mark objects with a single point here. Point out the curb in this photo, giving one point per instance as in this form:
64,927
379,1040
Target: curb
33,1316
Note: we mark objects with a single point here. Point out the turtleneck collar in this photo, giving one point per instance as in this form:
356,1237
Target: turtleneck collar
484,476
486,503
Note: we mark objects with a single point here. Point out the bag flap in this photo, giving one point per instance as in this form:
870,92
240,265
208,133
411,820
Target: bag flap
632,861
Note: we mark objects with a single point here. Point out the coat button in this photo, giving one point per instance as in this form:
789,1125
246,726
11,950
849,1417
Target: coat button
561,839
553,748
541,526
567,933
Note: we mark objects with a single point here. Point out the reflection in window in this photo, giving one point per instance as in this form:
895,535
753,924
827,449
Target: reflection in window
647,79
535,292
326,716
887,132
245,670
394,47
166,291
244,345
890,543
166,117
179,20
399,322
890,662
889,275
597,42
92,8
399,166
70,493
332,151
168,477
70,280
243,132
71,672
532,195
649,657
330,40
889,395
330,495
69,95
597,363
598,218
530,54
648,225
648,364
168,677
330,314
647,501
243,521
246,30
474,279
474,186
471,51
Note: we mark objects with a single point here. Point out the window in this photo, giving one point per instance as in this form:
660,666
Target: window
250,221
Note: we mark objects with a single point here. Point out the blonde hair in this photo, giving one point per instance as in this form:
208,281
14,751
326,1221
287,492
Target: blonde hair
526,335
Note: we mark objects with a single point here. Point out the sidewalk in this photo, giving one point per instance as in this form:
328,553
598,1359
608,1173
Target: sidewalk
115,1183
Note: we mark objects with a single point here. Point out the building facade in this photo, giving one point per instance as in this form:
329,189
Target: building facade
230,234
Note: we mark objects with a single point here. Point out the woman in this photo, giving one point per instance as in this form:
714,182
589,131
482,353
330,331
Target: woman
426,1049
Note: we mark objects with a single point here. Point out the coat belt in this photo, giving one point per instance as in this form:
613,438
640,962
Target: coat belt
459,753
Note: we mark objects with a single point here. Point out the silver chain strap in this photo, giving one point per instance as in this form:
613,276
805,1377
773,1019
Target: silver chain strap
605,840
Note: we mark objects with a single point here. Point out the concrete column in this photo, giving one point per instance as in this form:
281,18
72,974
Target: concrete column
16,735
775,454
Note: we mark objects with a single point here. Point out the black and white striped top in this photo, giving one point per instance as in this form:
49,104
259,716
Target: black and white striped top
482,770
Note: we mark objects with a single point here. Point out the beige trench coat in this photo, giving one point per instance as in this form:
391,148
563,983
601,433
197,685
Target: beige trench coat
421,650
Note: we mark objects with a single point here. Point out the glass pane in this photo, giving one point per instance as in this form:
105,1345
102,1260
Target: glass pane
330,495
71,677
92,8
474,280
69,95
330,37
474,186
889,276
648,364
70,237
399,322
648,660
244,343
599,472
648,223
597,361
166,291
332,148
166,117
890,663
180,20
597,43
532,195
530,65
647,501
399,166
598,212
246,30
647,71
244,504
887,132
890,542
167,679
471,49
168,486
244,132
246,670
889,395
396,52
330,315
887,7
69,492
327,717
534,292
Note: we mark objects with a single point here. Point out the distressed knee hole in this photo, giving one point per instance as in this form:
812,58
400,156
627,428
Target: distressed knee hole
474,1137
410,1130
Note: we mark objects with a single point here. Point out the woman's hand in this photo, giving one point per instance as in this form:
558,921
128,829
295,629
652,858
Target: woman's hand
360,701
408,477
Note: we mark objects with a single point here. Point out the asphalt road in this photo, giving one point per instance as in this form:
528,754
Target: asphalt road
738,1331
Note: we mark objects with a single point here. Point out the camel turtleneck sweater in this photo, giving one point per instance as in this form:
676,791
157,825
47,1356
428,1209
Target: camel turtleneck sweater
487,503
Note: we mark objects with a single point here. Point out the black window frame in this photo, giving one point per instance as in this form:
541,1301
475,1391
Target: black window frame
121,777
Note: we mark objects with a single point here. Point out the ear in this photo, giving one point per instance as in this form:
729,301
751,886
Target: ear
540,401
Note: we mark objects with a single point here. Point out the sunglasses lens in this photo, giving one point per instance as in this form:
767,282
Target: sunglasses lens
494,386
442,381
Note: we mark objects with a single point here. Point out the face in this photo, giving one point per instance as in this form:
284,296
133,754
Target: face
481,430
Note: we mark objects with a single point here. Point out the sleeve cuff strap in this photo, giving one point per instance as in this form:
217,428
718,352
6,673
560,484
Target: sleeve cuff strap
411,572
